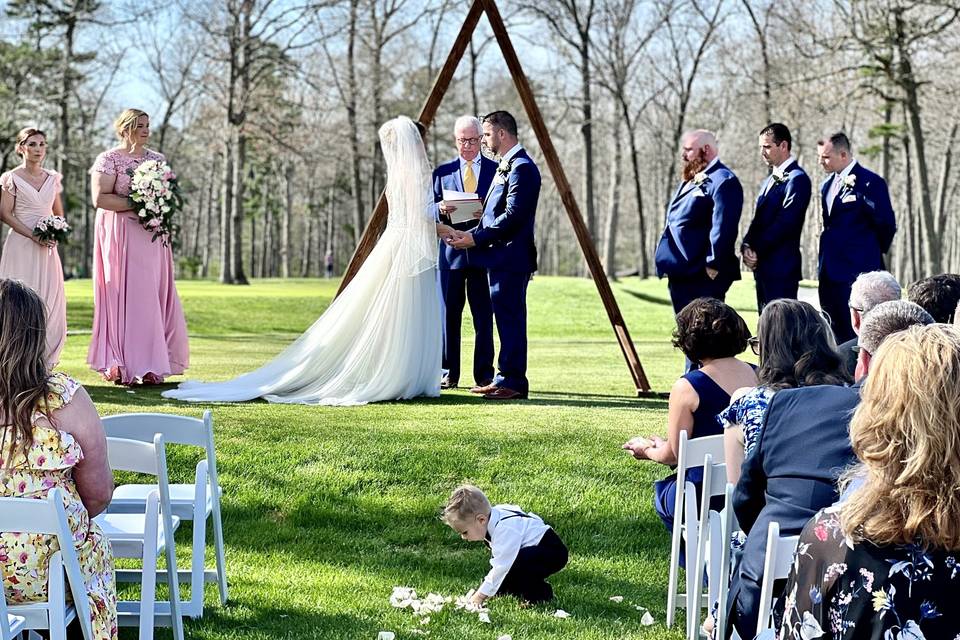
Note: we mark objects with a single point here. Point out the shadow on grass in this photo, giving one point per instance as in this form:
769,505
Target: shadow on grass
646,297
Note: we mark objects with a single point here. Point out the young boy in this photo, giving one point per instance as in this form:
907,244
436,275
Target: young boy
524,550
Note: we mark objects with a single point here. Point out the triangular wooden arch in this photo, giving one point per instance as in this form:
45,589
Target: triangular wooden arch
378,220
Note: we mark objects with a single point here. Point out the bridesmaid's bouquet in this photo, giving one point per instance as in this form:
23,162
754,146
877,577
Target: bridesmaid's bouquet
52,229
155,193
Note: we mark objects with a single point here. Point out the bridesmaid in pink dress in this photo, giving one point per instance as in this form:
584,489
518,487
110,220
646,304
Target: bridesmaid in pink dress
139,332
27,194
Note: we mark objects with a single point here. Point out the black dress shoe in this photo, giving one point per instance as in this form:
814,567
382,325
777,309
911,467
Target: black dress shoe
446,383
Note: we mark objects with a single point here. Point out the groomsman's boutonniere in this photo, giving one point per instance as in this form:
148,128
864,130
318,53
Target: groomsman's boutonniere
779,175
700,179
850,181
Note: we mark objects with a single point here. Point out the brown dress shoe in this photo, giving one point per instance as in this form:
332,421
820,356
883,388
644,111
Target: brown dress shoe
502,393
483,388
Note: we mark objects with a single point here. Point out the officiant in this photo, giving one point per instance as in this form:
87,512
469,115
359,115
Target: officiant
460,280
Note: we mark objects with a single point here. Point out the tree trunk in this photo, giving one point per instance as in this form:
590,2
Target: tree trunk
236,202
613,213
285,223
586,131
226,209
643,266
355,157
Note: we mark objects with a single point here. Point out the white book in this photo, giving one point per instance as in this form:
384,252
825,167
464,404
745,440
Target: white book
467,204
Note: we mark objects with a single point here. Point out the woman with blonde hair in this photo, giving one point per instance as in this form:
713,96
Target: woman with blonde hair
139,331
50,438
28,194
883,564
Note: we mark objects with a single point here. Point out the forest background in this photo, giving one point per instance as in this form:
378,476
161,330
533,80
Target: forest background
268,110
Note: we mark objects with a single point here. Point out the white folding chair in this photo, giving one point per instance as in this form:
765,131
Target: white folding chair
776,565
703,536
728,526
145,536
689,451
10,625
196,502
48,517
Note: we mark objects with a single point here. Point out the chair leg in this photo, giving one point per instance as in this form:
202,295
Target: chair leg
148,585
173,583
194,606
218,546
57,600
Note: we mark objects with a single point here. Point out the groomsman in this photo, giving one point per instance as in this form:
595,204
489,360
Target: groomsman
696,252
469,172
771,247
858,228
505,246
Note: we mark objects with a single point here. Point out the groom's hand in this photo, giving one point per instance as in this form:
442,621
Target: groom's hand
463,240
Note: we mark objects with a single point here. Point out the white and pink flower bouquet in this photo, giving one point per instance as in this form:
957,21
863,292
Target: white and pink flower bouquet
52,229
155,193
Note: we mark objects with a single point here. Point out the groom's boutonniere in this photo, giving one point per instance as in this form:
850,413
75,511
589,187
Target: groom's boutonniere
503,169
850,181
779,175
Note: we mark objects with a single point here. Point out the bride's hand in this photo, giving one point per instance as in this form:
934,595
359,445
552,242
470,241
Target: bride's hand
445,232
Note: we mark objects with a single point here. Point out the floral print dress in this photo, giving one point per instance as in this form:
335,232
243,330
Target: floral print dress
859,591
25,558
747,411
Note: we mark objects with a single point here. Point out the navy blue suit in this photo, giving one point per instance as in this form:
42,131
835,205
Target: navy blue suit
856,233
506,248
774,234
789,476
458,275
701,231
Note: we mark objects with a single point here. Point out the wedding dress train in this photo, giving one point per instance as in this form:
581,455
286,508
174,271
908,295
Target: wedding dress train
381,339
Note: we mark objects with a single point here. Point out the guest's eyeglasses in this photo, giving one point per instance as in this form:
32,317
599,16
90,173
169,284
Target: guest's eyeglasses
468,142
754,343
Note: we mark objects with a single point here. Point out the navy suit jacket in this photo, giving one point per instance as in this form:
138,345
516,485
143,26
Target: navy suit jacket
774,232
702,226
790,474
859,228
504,236
447,176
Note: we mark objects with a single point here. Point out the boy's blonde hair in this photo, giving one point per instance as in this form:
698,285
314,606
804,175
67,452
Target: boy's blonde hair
466,501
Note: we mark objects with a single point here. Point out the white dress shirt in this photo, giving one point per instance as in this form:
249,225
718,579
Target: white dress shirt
513,151
782,168
508,533
836,185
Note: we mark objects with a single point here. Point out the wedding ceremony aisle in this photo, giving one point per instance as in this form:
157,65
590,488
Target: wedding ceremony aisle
327,509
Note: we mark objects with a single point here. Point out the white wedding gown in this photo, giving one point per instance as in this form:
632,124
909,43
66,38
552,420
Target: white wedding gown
381,339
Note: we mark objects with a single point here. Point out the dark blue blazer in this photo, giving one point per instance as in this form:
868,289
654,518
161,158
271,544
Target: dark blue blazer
702,226
859,229
789,476
774,232
447,176
504,236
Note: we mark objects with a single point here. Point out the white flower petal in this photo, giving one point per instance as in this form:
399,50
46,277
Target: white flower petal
646,619
483,616
616,599
386,635
560,613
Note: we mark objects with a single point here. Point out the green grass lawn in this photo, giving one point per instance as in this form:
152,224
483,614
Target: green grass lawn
326,509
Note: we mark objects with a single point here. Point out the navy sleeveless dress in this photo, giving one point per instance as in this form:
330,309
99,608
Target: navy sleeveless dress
713,400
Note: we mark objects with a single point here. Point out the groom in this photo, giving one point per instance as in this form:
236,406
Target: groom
505,247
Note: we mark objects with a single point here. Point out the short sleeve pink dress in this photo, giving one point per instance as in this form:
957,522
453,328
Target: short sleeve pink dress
37,267
139,331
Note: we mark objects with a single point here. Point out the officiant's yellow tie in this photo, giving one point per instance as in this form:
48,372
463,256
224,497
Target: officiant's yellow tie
469,180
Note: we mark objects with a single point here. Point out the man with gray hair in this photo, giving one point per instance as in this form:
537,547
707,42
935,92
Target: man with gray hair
869,290
858,227
460,279
883,320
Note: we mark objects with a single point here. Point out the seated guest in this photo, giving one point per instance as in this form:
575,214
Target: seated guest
939,295
711,334
883,564
869,290
796,349
50,437
804,445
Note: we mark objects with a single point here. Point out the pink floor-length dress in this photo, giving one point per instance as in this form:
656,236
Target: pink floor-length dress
138,323
36,266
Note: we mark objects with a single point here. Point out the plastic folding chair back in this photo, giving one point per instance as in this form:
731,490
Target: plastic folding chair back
48,517
195,502
776,565
707,544
690,454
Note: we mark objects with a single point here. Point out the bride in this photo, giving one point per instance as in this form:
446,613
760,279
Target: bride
381,338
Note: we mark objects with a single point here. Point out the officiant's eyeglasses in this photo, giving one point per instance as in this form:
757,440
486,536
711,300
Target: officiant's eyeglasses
468,141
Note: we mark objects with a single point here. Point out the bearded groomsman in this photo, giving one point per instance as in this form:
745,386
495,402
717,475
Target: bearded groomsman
696,252
771,247
858,228
505,246
461,278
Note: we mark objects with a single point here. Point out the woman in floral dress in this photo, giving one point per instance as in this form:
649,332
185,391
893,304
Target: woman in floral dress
28,194
883,564
139,332
50,437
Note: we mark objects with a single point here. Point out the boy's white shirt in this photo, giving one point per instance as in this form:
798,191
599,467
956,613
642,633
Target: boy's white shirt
506,540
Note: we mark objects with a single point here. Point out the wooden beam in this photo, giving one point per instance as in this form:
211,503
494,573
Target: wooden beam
566,195
378,221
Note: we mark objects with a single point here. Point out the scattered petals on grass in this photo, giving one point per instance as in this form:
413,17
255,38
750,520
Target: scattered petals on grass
505,636
483,616
560,613
646,619
617,599
425,620
386,635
